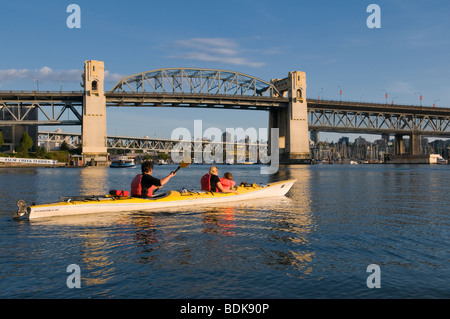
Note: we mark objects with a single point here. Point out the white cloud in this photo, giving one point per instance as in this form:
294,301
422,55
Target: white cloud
218,45
48,74
218,50
112,77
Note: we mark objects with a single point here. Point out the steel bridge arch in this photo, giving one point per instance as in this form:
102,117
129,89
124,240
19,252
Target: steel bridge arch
195,81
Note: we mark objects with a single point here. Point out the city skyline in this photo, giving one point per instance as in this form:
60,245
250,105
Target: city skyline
405,58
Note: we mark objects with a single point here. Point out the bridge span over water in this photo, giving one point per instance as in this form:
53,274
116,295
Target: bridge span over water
284,99
145,144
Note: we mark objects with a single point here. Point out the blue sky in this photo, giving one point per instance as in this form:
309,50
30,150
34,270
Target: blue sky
329,40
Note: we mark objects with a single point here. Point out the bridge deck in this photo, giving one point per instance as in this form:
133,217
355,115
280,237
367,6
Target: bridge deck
194,100
44,96
323,115
207,100
379,107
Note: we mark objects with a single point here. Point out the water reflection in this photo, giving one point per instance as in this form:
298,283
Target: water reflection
220,221
94,181
99,267
292,224
145,231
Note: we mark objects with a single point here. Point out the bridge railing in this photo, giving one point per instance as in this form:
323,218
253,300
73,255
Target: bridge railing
38,92
191,95
376,104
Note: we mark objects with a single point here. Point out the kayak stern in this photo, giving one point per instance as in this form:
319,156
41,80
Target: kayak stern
23,210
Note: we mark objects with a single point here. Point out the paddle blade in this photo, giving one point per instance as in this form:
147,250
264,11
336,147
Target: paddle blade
183,164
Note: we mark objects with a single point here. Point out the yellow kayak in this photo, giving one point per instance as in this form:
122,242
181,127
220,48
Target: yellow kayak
79,205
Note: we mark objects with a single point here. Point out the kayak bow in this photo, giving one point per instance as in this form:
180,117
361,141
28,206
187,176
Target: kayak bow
78,205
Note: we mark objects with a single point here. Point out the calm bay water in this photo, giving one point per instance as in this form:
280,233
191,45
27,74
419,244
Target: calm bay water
315,243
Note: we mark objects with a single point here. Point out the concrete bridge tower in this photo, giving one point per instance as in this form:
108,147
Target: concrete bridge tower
94,114
292,122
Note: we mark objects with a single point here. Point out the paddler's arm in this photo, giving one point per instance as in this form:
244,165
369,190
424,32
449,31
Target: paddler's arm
166,179
224,190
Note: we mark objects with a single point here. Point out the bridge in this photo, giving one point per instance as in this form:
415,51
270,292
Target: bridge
145,144
284,99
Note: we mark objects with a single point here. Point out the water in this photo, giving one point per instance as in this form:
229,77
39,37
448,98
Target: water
315,243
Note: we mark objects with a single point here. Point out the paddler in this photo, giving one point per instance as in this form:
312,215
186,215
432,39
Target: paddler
143,185
211,182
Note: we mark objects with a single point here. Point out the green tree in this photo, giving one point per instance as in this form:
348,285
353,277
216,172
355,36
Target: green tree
163,156
41,152
1,139
64,146
25,143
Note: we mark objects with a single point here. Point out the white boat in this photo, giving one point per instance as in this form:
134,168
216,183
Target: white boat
441,160
123,162
78,205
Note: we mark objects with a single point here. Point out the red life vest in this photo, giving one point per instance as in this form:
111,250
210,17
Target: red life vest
136,187
227,183
205,181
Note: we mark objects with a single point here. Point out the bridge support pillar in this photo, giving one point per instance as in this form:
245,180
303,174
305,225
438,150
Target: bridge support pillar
414,144
94,149
292,122
399,146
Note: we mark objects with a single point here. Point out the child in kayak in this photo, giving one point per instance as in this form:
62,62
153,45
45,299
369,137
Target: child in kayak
211,182
227,181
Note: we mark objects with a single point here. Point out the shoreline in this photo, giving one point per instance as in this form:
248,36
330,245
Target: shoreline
25,165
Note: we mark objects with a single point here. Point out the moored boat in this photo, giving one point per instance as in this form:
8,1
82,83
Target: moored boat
123,162
78,205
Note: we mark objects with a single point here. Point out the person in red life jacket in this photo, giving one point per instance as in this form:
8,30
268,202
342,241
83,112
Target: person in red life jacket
211,182
227,181
143,185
